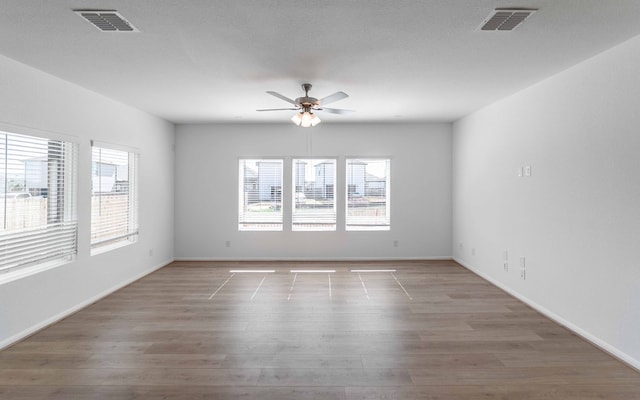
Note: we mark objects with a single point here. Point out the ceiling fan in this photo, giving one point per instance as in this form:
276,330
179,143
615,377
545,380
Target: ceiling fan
306,105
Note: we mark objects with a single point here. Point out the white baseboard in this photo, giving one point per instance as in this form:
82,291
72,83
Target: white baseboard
596,341
328,259
49,321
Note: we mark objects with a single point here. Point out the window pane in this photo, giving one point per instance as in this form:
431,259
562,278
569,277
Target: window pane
314,207
368,194
37,201
260,195
113,197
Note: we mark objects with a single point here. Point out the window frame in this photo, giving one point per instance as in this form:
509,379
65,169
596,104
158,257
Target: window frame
331,216
351,189
132,233
61,226
245,222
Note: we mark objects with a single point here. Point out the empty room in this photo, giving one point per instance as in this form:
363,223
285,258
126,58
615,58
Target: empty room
330,200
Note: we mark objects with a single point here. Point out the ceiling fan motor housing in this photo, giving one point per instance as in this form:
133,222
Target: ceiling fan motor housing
307,101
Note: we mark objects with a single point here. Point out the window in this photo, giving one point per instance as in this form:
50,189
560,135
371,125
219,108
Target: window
114,199
38,222
314,206
368,189
260,195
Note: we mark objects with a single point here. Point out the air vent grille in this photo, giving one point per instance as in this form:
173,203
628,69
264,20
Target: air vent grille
505,19
107,20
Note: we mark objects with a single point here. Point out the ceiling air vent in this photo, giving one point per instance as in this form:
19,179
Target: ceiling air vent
107,20
503,19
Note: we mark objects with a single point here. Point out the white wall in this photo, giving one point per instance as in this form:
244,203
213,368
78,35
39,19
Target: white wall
577,218
33,101
207,190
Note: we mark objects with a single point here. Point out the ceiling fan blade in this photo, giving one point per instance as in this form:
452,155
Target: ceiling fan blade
334,110
279,109
282,97
333,98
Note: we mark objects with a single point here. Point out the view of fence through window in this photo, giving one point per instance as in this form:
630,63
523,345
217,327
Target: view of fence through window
23,162
368,190
314,206
113,199
260,194
312,192
37,203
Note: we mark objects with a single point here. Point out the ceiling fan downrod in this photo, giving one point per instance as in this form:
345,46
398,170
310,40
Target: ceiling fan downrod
306,87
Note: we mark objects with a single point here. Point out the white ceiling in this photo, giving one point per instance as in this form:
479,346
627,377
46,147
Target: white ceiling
401,60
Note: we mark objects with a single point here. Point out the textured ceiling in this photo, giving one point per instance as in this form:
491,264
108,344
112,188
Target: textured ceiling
212,61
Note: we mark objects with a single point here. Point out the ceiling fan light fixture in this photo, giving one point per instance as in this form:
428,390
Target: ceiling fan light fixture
305,119
297,118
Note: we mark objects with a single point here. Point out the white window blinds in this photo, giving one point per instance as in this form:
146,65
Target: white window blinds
368,194
114,199
260,195
314,206
38,221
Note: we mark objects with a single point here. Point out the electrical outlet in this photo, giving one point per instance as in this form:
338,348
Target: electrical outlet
395,243
505,258
227,243
150,252
473,251
523,268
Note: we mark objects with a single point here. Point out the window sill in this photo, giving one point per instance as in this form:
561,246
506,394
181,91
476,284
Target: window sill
112,246
32,270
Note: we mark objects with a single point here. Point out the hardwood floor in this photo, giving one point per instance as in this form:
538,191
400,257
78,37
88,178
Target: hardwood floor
194,330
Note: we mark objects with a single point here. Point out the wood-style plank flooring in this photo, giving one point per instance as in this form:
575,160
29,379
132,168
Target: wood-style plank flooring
429,330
